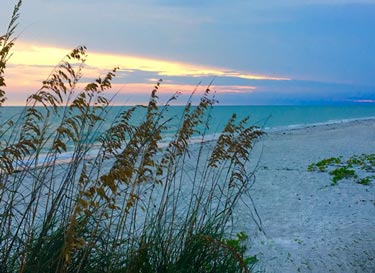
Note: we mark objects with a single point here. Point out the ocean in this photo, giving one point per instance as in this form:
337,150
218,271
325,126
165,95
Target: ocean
266,117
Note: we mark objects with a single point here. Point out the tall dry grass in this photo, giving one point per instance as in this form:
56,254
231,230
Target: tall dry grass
134,206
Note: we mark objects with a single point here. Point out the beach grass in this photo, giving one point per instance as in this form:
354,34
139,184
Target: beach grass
133,206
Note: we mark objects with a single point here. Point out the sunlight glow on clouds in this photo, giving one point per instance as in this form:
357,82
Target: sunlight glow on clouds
31,54
31,64
138,93
257,52
169,88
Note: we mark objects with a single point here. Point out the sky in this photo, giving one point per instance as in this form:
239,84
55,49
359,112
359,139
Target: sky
255,52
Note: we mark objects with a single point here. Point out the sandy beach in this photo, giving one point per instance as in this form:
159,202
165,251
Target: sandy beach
308,224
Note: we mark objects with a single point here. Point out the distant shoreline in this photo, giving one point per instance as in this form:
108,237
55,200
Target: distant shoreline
305,126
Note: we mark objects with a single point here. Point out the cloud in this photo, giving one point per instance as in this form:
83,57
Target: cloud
286,38
27,54
32,63
256,48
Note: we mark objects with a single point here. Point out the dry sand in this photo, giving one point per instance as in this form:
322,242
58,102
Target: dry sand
309,225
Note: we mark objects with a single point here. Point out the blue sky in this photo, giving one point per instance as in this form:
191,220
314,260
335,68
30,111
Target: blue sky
307,51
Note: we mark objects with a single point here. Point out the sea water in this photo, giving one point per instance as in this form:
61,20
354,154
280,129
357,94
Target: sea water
268,118
289,117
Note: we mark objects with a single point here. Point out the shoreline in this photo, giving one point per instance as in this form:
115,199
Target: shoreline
306,126
309,225
289,128
65,157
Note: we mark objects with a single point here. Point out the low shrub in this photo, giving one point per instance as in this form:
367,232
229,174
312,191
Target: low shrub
360,168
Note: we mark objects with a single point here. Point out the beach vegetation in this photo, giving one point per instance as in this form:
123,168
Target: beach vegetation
82,193
360,168
366,180
341,173
322,165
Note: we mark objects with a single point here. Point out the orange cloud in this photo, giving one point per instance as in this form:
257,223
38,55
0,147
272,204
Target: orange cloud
131,93
31,54
235,89
32,63
167,88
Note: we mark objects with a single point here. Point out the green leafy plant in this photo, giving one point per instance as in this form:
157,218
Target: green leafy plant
366,180
323,164
341,173
238,244
358,167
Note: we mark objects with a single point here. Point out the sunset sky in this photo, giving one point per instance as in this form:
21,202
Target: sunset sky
257,52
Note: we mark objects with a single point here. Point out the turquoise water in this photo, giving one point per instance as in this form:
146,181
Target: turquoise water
269,118
283,117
